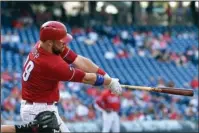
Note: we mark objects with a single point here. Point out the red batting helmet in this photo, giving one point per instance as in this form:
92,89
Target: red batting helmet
54,30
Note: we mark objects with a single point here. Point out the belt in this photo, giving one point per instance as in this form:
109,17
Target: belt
108,111
48,103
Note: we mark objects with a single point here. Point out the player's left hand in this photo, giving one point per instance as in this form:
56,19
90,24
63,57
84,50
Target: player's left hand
115,86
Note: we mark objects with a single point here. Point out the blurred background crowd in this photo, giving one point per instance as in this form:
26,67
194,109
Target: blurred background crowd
141,43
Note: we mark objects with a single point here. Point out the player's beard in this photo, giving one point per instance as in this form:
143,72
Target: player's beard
55,50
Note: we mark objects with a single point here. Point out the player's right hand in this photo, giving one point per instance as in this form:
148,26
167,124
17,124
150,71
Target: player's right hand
115,86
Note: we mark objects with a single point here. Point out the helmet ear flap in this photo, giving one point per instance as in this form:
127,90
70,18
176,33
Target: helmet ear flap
69,38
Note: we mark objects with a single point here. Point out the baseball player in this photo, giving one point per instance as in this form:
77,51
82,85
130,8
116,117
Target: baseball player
47,64
44,122
109,104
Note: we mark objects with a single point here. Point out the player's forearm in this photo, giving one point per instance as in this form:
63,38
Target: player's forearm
91,78
8,129
85,64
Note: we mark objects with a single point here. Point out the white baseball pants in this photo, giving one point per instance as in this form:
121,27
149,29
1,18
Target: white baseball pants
110,122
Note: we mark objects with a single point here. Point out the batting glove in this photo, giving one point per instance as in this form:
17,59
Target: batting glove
115,86
107,76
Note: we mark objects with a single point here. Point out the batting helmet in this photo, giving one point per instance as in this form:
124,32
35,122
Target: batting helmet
54,30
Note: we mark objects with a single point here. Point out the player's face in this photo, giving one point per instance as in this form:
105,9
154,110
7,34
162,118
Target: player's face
57,47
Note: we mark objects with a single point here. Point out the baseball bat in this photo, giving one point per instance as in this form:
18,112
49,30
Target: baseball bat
168,90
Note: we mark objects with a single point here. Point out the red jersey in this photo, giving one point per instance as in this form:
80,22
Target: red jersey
42,72
108,101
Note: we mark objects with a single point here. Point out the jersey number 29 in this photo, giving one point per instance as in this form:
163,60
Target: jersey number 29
29,67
